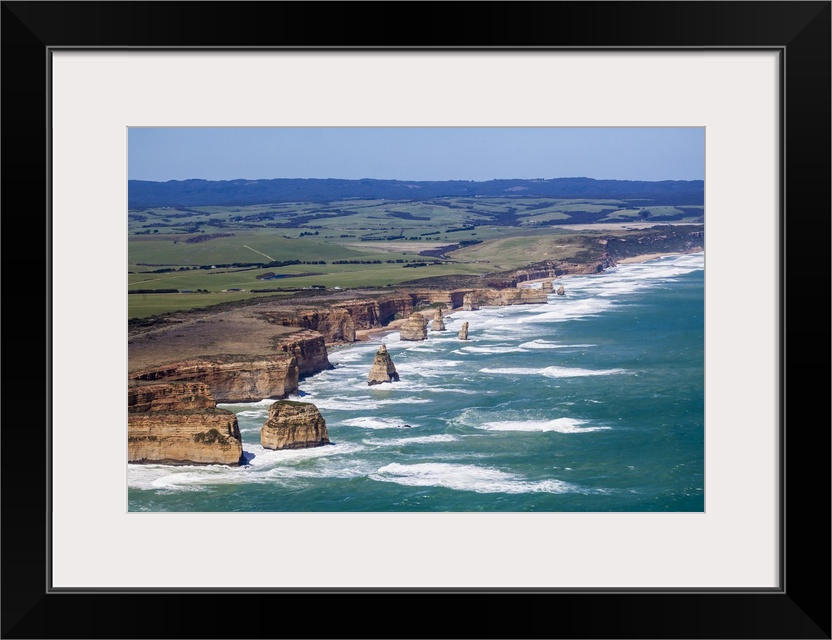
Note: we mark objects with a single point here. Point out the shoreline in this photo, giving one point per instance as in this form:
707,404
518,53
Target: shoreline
365,335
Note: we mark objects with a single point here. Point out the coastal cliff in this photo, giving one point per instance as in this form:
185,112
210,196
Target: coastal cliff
178,423
308,348
232,378
338,322
477,298
294,425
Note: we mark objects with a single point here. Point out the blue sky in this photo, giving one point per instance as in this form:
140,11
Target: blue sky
416,153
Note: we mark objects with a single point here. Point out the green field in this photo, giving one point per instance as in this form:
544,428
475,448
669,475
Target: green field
216,249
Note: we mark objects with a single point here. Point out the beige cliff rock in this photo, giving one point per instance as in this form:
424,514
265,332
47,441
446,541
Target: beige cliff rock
438,321
294,425
232,378
463,331
561,291
178,423
415,328
383,369
469,302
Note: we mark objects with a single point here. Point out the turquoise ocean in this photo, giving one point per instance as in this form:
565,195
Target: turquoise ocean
593,402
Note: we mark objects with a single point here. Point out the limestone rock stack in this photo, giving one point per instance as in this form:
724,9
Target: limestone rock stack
463,331
179,423
294,425
383,369
469,302
415,328
561,291
438,321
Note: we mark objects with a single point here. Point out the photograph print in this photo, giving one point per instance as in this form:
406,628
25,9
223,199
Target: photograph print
414,319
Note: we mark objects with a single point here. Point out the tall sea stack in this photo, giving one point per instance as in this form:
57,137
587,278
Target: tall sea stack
383,369
438,321
463,331
414,328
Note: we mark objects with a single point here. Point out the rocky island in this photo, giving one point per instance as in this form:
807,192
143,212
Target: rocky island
383,369
438,321
415,328
463,331
294,425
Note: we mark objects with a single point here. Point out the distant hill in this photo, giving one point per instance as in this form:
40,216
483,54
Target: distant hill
179,193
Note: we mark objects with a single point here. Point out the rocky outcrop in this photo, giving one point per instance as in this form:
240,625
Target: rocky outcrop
503,297
438,321
561,291
394,307
463,331
338,322
232,378
294,425
383,369
147,397
335,325
470,302
178,423
308,348
414,328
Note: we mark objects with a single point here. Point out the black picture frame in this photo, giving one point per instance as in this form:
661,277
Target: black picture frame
799,608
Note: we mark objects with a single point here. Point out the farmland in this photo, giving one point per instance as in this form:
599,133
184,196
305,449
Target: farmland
203,255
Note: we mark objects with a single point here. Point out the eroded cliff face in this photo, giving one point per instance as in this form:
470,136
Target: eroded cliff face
394,307
477,298
232,378
294,425
178,423
338,322
143,398
308,348
555,268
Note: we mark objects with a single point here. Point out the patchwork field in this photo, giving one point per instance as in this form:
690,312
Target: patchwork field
182,258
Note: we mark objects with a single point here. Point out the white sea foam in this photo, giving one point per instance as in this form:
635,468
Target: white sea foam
372,422
429,368
398,442
493,349
256,413
546,344
344,404
268,457
259,404
560,425
541,344
264,465
573,372
574,310
343,470
516,371
552,372
461,477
